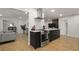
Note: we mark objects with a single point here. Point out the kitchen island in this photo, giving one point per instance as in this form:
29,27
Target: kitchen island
37,37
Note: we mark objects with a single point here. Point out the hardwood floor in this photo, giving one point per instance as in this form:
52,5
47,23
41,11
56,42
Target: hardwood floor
60,44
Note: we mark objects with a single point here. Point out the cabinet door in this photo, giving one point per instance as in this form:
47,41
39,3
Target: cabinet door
32,39
50,35
8,37
38,39
35,40
54,34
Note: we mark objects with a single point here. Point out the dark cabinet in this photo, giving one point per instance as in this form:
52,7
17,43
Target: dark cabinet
53,34
55,22
35,39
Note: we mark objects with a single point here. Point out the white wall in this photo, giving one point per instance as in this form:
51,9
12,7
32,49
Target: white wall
1,25
32,15
32,21
73,26
62,26
16,21
39,23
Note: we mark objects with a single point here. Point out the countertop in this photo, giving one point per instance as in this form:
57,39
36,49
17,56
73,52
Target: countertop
40,30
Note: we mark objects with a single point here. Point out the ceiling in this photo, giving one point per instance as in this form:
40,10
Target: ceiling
20,12
12,13
64,11
52,15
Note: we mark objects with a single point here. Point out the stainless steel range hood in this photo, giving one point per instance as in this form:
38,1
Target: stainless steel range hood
39,13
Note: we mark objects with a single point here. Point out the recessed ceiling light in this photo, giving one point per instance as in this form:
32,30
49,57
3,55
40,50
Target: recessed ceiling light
61,14
26,12
53,10
11,25
0,14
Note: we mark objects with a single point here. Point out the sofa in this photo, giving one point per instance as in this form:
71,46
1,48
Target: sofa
7,36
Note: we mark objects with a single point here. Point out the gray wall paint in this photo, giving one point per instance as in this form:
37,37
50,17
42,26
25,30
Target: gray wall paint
73,26
1,25
17,23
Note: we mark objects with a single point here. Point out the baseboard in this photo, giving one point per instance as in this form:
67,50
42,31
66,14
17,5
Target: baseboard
6,42
72,36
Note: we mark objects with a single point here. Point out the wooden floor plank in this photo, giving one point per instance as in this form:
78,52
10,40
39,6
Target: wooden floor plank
60,44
